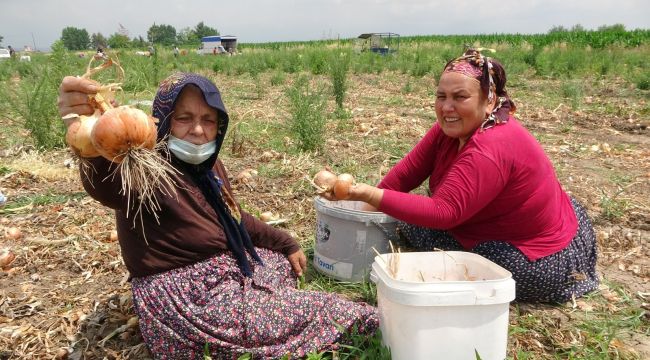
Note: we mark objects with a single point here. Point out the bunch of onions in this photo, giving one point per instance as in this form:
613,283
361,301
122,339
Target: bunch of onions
326,182
125,136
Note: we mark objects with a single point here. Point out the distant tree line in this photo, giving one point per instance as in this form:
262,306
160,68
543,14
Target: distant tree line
78,39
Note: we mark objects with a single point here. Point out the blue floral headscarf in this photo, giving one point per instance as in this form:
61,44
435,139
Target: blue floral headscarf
203,174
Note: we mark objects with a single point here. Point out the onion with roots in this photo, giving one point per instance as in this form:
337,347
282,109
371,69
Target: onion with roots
122,129
125,136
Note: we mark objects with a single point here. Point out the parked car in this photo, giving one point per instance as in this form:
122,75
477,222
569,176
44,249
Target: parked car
4,54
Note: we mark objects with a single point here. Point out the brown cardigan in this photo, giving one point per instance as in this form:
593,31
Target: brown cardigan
189,230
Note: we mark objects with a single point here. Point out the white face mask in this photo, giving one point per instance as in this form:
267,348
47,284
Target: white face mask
190,153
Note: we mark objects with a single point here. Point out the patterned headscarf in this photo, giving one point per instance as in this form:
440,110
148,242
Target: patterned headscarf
202,174
492,79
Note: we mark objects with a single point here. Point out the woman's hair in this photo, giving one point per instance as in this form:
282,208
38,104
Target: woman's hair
491,76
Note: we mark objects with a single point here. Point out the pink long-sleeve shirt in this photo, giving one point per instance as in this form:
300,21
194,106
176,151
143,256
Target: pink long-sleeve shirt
500,186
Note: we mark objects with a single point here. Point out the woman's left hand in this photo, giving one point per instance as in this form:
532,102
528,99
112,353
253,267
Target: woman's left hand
298,262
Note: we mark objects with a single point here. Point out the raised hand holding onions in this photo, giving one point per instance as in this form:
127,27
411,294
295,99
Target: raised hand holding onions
337,187
125,136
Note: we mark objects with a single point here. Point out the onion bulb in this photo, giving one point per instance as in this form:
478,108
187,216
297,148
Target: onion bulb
342,186
267,216
6,257
121,129
13,233
62,354
346,177
78,135
325,179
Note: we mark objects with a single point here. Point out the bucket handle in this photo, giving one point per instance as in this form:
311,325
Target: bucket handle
392,236
373,276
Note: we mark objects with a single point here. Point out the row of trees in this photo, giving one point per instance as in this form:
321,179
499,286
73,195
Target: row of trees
78,39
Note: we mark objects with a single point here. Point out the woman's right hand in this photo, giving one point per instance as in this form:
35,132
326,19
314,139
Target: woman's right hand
73,96
360,192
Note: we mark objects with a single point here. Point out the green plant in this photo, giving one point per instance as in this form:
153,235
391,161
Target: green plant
292,62
566,127
154,69
342,114
25,203
278,78
34,98
408,87
259,86
307,123
317,61
643,81
206,352
573,91
33,102
339,66
613,207
359,346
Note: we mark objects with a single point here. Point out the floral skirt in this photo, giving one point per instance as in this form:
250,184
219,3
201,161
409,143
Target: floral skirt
211,305
558,277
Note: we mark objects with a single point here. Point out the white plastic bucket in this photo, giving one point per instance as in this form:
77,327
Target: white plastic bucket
443,305
346,236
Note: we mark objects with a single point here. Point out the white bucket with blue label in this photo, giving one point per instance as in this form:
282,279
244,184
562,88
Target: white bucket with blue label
348,239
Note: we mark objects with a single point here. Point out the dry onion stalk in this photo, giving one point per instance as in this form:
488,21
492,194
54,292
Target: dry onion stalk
392,264
125,136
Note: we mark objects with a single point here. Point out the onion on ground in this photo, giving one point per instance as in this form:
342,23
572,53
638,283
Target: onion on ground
267,216
6,258
112,236
13,233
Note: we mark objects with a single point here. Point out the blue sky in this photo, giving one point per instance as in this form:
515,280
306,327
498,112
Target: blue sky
40,22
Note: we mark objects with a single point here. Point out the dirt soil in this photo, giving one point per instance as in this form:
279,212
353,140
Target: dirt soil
67,295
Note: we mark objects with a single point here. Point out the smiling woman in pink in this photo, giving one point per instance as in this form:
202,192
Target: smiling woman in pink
492,189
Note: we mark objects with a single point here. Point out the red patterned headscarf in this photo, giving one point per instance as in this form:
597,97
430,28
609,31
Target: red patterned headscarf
492,78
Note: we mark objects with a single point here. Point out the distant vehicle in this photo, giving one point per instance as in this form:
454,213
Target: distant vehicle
211,45
4,54
379,43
